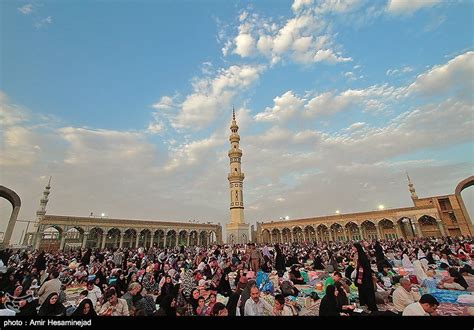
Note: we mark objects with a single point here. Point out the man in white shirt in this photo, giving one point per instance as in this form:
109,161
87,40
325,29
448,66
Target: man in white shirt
425,307
256,306
94,293
405,295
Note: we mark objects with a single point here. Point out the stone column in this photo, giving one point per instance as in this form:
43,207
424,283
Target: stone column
136,241
104,239
38,239
416,227
152,235
330,235
346,237
84,239
398,230
10,226
379,233
318,239
441,227
122,235
63,241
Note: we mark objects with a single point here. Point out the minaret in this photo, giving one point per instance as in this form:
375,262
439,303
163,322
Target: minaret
42,210
237,229
411,188
43,202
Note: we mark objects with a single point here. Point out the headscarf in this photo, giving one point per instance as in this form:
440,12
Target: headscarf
80,309
418,270
328,305
406,263
47,309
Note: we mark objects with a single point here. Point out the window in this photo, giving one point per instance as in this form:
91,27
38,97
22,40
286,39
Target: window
452,217
445,204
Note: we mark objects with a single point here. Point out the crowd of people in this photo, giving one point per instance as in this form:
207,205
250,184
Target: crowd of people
226,280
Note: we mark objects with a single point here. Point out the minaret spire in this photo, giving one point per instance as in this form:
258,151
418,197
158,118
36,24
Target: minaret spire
237,229
411,188
43,202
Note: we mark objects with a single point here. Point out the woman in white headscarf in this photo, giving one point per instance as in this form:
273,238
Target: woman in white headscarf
406,262
419,272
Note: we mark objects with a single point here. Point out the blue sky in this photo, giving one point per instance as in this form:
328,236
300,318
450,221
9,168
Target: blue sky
335,99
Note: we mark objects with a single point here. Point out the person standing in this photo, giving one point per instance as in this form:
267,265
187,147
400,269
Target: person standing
364,279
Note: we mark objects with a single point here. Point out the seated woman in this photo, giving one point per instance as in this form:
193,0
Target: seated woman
166,290
23,303
52,306
458,278
212,302
167,307
224,285
341,297
454,281
85,309
295,275
267,265
318,263
329,304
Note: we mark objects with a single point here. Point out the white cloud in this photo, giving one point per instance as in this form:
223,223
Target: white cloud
285,107
43,22
227,46
299,4
245,45
458,74
356,126
337,6
89,146
193,153
26,9
19,146
409,6
398,72
11,114
328,103
165,102
304,38
329,56
213,95
155,128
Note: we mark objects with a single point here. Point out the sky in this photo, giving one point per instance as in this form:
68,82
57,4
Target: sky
127,105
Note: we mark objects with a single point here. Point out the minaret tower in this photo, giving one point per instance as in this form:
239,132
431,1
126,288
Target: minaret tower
237,229
411,188
42,210
43,202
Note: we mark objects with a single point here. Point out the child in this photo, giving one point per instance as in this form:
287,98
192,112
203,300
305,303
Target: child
201,310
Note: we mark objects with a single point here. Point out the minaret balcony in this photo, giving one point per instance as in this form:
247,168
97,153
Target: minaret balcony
235,153
236,177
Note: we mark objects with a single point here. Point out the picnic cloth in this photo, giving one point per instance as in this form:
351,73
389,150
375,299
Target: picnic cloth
446,296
